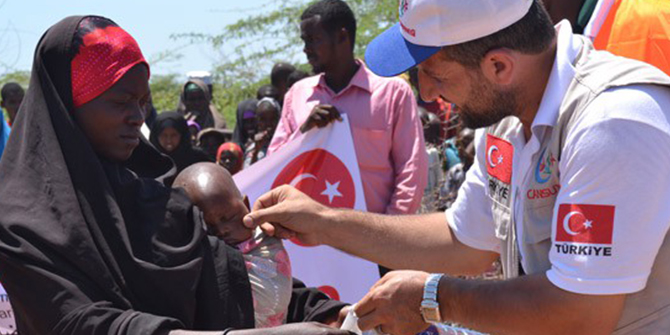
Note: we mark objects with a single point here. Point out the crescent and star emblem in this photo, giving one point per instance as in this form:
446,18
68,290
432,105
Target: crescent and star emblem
489,156
331,190
566,223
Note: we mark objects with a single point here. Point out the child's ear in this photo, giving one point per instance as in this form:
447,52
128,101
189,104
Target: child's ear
246,202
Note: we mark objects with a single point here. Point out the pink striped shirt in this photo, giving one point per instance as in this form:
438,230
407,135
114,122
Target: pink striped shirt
386,130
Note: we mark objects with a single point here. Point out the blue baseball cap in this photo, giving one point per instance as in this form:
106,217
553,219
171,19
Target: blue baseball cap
428,25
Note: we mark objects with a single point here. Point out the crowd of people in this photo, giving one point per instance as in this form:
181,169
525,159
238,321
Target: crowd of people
116,218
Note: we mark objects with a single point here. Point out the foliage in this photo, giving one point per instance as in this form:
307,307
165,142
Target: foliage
20,77
165,90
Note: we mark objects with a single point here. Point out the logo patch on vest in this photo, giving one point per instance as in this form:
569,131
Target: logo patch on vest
545,184
585,224
544,167
499,155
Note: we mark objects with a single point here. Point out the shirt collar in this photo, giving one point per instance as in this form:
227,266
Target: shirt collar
568,47
360,79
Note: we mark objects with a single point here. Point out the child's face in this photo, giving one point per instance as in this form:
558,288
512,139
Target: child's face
230,161
224,218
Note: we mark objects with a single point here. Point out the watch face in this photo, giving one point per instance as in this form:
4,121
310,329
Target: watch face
431,315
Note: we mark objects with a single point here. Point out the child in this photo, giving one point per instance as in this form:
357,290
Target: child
213,190
230,156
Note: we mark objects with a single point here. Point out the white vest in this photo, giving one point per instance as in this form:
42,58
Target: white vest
645,312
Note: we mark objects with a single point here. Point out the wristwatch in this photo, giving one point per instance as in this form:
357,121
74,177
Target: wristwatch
430,307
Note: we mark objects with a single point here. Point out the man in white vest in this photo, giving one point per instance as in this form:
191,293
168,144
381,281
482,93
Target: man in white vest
571,182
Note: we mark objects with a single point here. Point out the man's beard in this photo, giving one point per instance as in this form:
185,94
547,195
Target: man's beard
497,105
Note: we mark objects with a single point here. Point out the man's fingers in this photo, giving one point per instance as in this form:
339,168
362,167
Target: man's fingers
370,321
366,305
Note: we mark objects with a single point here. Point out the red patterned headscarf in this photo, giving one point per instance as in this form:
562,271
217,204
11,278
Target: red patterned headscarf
106,52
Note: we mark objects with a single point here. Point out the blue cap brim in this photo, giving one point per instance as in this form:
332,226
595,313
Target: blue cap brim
389,54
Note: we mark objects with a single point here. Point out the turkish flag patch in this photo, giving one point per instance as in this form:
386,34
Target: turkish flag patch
585,223
499,155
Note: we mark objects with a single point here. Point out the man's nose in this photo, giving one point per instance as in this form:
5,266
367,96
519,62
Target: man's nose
427,87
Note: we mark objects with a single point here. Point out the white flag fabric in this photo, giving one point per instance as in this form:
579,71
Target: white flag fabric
321,163
7,324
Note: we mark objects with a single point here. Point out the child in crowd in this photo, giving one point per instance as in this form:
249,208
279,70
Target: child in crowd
230,156
213,190
267,118
193,129
431,133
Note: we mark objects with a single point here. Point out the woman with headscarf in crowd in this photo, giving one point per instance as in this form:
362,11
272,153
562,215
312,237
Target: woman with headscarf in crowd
245,125
88,243
170,135
196,104
231,157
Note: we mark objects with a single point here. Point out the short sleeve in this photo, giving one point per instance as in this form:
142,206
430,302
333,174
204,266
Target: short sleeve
470,216
612,214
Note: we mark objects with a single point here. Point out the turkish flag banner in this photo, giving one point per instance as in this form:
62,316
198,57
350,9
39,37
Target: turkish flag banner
580,223
499,155
322,164
7,323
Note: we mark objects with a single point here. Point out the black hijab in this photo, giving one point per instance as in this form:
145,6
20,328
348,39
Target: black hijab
184,155
87,246
206,119
239,134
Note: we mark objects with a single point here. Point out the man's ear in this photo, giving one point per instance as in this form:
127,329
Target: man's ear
246,202
499,66
342,35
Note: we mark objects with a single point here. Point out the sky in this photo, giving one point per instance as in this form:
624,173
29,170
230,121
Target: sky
151,22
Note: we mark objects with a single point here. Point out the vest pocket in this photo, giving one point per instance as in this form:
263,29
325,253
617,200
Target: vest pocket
502,219
537,223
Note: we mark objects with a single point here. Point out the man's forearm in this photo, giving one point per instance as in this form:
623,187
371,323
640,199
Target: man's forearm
526,305
420,242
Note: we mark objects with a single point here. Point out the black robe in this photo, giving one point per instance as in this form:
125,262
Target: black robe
89,246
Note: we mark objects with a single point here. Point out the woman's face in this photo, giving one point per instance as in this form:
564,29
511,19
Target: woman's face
112,121
169,139
249,127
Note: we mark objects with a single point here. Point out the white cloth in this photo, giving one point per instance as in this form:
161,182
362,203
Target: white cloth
616,155
435,176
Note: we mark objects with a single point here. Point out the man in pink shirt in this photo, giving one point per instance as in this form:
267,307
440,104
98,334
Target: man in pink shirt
386,129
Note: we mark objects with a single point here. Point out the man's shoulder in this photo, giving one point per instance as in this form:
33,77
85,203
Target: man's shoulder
383,83
304,84
640,105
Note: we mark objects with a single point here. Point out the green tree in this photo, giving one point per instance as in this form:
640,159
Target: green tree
165,90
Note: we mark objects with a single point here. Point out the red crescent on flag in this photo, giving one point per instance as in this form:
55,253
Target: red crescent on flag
321,175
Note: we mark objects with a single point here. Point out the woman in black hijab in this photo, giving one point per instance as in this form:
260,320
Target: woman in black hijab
170,135
87,244
245,126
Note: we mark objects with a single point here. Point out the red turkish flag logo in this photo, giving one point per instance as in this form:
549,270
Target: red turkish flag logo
322,176
330,291
585,223
499,155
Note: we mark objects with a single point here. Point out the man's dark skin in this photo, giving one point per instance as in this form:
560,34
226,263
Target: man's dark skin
330,53
563,9
12,101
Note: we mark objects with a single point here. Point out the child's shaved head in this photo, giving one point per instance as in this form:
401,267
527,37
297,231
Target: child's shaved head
213,190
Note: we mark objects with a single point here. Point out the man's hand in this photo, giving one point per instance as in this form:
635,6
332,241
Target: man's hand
285,212
393,303
307,328
321,116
